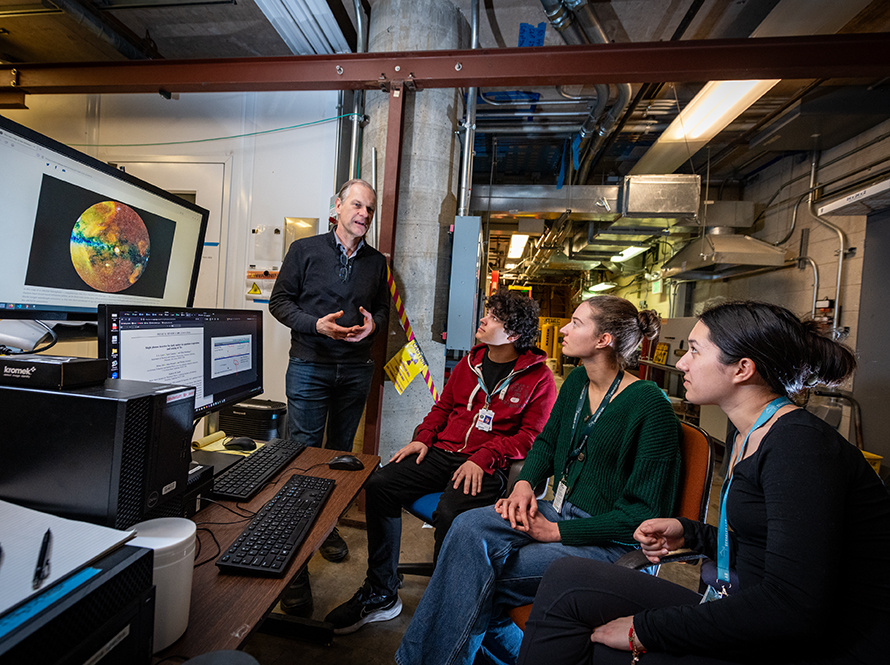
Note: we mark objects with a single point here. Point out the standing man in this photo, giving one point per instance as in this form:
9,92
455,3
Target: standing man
493,406
332,293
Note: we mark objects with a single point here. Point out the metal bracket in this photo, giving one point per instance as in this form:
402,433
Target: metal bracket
14,78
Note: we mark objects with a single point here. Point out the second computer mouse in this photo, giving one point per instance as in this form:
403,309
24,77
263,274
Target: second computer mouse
242,443
346,463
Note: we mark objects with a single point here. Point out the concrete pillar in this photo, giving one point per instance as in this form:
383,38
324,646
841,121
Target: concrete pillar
427,197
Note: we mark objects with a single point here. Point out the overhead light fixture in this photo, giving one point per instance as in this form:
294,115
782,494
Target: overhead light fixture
509,266
517,245
709,112
720,102
602,286
714,107
628,253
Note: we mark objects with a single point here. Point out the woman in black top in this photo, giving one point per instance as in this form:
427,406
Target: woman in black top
809,520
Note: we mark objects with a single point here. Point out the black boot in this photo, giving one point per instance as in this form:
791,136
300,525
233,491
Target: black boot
297,598
334,548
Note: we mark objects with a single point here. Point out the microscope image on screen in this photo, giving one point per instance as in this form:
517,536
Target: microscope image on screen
110,246
85,241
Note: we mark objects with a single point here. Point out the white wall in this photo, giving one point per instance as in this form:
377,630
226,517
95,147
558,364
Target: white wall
267,176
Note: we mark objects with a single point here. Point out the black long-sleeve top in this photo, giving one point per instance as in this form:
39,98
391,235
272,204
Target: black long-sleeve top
309,287
810,540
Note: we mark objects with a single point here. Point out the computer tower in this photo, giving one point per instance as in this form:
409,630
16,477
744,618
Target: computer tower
109,619
106,454
260,419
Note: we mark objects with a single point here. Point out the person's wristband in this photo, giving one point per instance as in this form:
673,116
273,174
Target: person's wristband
635,651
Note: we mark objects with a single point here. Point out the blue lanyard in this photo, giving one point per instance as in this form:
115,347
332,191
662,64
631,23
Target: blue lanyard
582,400
501,386
723,529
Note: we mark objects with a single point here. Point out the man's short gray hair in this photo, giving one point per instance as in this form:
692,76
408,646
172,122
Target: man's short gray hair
344,190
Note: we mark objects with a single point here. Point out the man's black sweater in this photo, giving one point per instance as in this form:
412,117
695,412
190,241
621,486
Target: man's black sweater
309,287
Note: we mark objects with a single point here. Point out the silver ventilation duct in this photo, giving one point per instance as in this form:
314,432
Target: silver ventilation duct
716,256
722,252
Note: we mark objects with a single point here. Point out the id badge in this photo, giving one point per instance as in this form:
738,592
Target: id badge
560,496
483,422
711,595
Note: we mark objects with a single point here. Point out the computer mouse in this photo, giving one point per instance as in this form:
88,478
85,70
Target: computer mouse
346,463
242,443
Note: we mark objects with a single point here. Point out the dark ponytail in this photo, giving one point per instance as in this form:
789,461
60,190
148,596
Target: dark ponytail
790,355
627,326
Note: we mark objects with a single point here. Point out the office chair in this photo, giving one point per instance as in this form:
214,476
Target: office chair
425,506
696,473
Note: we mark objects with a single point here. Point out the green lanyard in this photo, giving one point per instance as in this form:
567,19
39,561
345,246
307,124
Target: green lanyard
578,452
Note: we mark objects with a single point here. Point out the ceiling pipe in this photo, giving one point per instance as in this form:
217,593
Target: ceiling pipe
646,89
110,30
358,97
562,18
594,31
810,262
842,242
547,245
466,175
578,98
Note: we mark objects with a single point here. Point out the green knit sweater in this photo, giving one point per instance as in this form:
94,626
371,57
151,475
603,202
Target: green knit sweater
631,466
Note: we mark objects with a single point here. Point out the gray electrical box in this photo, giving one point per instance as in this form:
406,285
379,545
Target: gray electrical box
463,294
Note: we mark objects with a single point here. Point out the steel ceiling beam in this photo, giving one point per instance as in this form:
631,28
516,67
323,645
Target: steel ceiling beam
819,56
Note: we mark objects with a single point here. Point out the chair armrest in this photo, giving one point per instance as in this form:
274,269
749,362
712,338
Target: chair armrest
513,475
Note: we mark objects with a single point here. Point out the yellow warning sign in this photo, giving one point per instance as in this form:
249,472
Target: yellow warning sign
405,365
255,290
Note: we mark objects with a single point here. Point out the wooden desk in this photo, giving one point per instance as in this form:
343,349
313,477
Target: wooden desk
226,609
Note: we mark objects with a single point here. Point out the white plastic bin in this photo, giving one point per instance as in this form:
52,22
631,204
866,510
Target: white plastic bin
173,542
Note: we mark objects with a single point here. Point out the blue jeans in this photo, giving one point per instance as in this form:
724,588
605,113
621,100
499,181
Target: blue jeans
319,394
485,569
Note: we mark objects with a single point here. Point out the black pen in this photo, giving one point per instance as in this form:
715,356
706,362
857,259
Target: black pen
41,572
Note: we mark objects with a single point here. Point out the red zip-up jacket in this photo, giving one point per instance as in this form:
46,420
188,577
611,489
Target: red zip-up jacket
520,410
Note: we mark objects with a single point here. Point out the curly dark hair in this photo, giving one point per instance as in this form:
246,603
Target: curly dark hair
519,314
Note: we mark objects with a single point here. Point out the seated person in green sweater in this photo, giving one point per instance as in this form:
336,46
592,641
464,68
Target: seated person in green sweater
612,443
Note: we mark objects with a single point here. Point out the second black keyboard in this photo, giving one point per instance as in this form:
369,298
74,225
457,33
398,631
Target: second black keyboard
242,481
268,543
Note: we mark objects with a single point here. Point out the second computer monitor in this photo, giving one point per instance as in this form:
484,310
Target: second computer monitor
219,351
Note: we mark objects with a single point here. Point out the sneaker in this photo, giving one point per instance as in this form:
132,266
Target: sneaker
297,598
334,548
364,607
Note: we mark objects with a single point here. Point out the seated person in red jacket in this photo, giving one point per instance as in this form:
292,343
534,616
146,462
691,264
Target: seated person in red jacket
493,406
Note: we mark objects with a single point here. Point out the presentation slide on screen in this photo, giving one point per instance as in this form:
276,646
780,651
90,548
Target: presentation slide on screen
230,355
165,355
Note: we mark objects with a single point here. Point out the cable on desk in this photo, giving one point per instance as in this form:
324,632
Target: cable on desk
293,468
200,547
221,505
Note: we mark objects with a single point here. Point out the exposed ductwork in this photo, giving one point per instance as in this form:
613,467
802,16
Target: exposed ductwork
721,251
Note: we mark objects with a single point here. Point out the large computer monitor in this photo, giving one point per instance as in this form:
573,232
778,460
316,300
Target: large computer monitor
218,351
78,232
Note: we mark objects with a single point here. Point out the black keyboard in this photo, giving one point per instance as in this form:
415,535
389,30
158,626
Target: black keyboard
268,543
242,481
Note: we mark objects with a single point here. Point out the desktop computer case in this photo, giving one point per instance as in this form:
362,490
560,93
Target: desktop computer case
105,454
108,619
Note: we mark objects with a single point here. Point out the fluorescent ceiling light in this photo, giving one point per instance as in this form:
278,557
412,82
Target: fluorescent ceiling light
602,286
714,107
509,266
517,245
709,112
628,253
720,102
